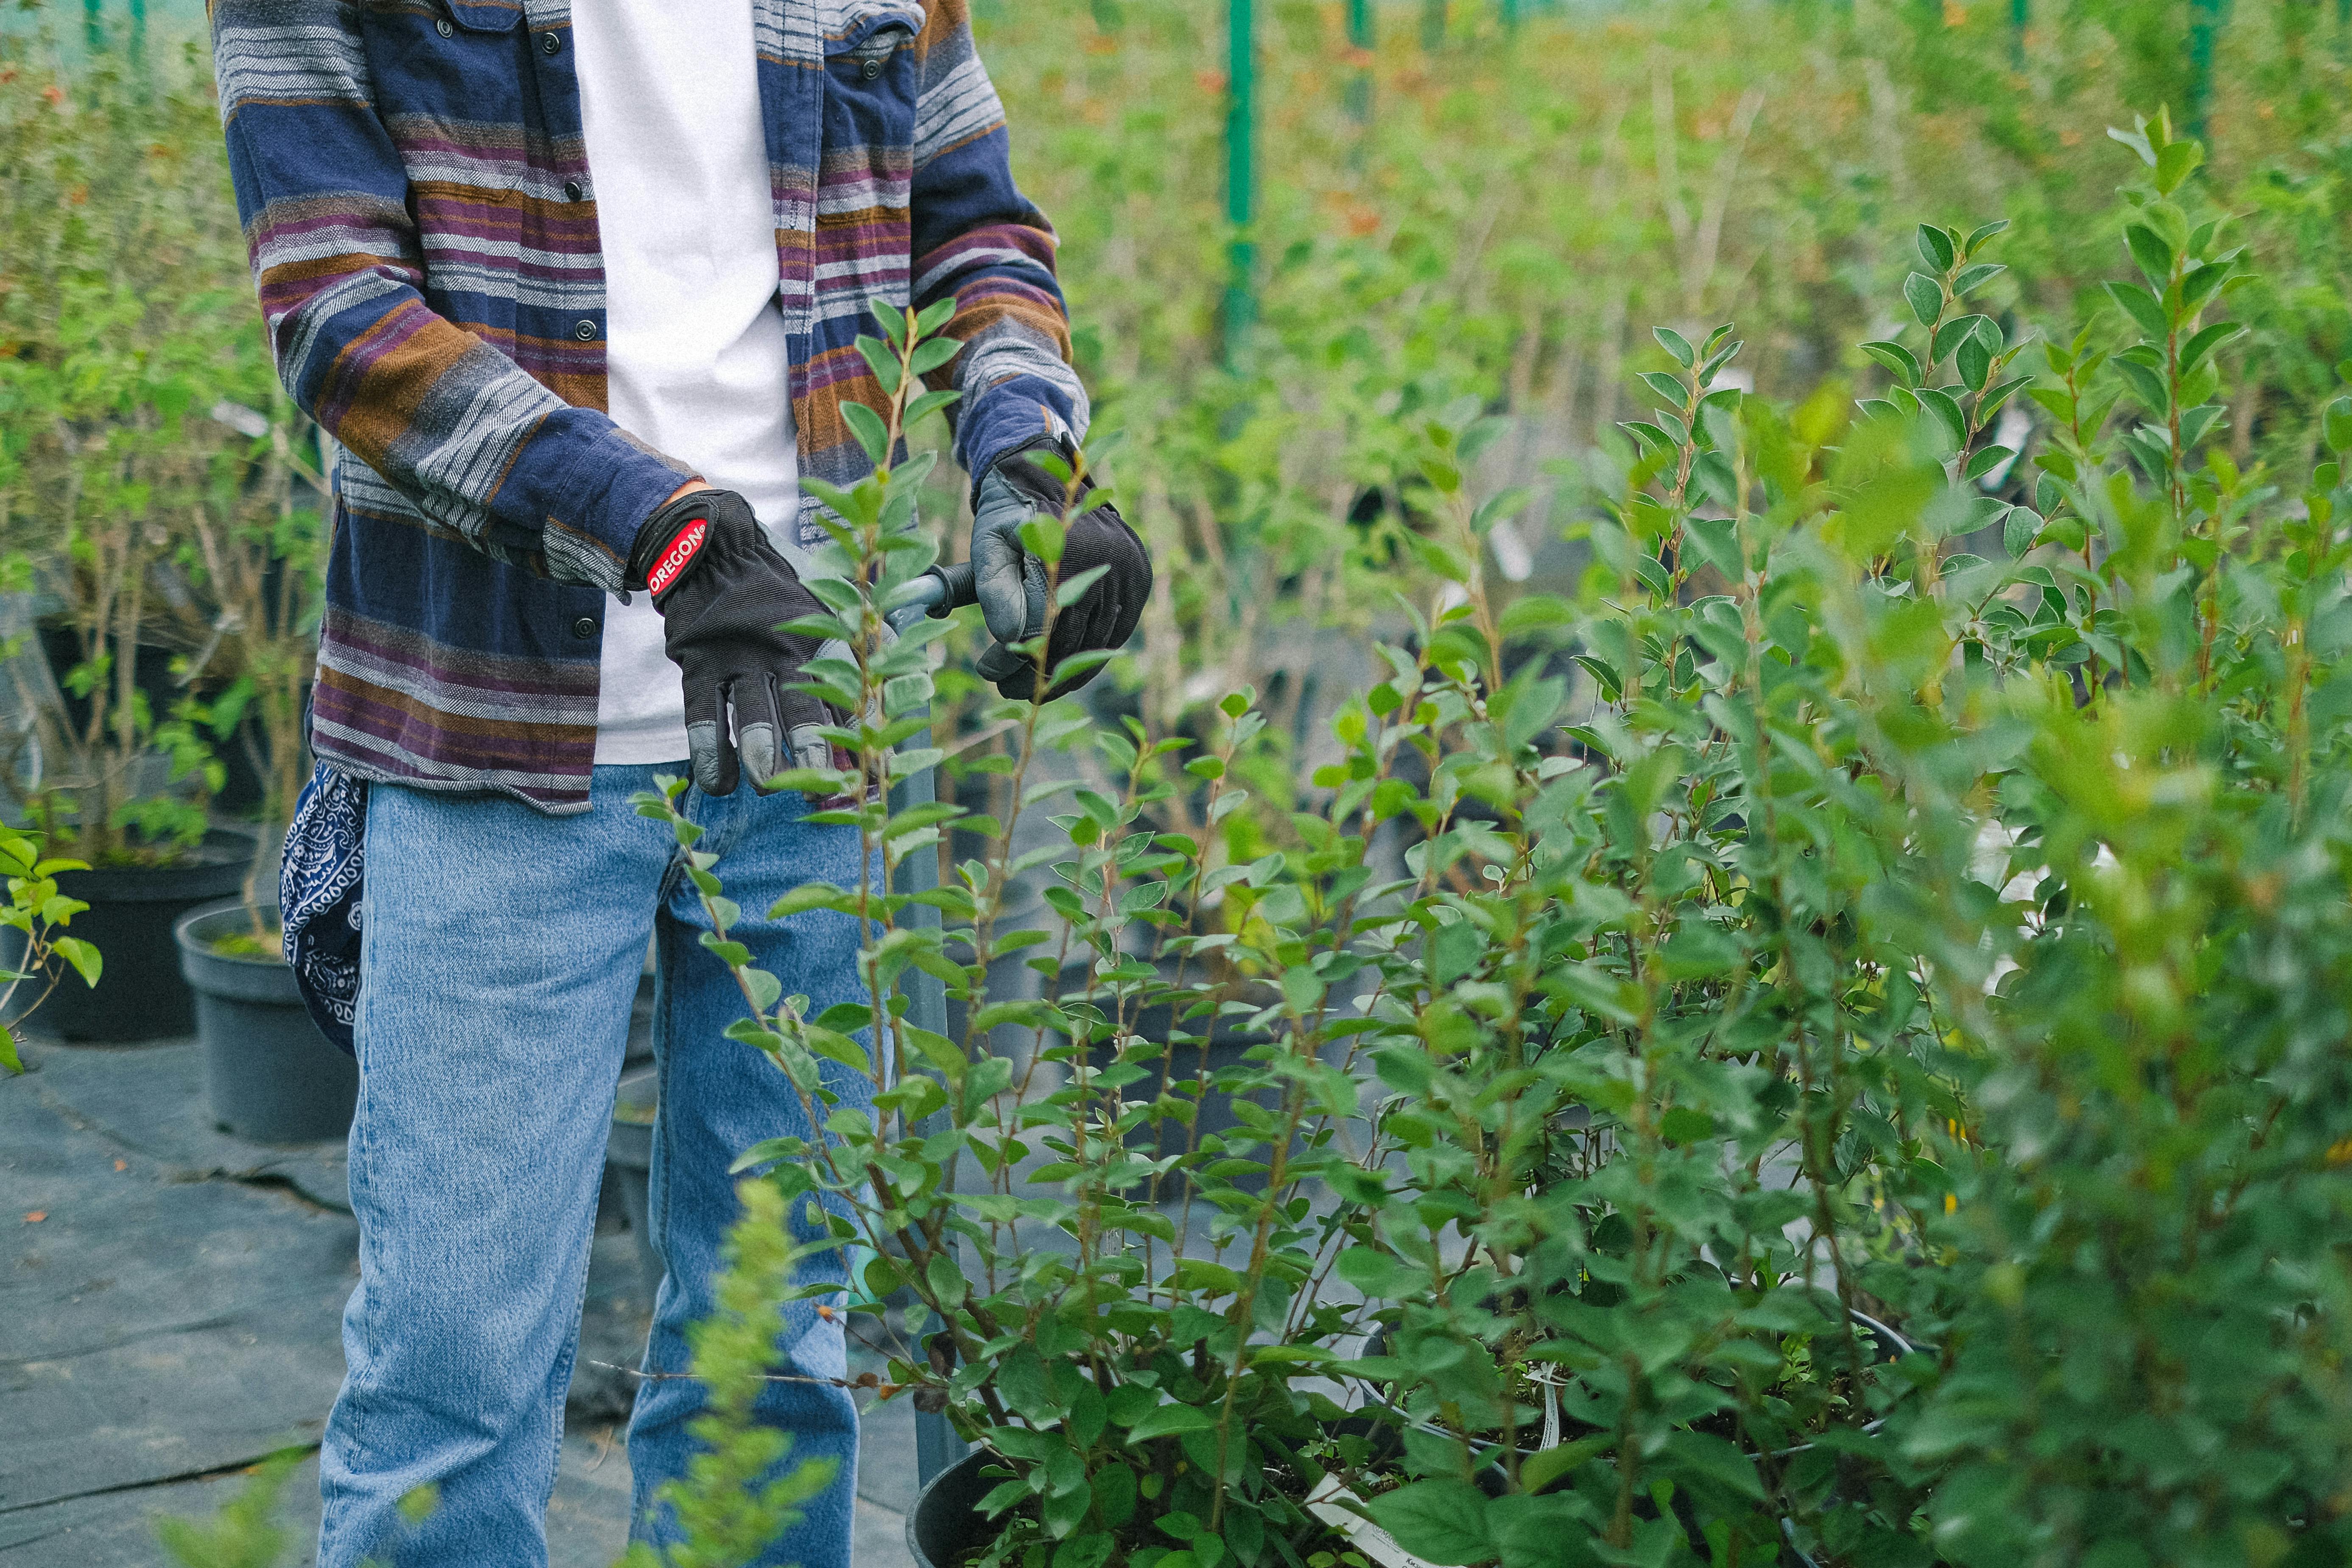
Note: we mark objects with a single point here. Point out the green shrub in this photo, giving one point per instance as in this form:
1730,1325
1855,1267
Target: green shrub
144,448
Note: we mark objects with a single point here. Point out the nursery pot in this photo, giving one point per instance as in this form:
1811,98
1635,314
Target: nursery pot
273,1078
629,1164
140,993
947,1523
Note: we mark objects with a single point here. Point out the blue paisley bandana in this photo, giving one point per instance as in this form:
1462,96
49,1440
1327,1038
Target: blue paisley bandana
318,892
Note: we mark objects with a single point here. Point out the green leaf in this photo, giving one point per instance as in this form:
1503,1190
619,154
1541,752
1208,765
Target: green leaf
2149,251
884,363
1164,1420
1935,248
936,314
1665,388
1718,1459
1042,537
1540,1469
929,356
1981,235
808,896
1925,296
8,1056
1683,1125
1941,403
1440,1518
1986,460
871,433
1072,590
2336,422
1896,358
1970,278
1675,343
2175,162
893,320
82,956
925,405
2142,307
1952,334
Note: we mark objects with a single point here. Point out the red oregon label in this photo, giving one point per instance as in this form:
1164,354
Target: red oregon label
673,559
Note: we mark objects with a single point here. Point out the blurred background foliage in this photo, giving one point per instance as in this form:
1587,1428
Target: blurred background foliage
1484,212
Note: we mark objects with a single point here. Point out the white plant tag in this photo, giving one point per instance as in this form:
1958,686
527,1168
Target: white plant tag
1325,1503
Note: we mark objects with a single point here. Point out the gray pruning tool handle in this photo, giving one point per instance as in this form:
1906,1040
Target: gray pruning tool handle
939,592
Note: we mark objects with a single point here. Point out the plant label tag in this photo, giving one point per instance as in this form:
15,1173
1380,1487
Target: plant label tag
1341,1508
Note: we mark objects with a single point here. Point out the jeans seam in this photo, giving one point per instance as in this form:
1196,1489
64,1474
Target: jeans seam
560,1382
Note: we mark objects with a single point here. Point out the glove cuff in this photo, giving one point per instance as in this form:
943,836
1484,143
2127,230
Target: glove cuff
671,541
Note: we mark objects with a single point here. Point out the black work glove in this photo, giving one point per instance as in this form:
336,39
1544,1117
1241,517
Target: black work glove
1011,583
722,590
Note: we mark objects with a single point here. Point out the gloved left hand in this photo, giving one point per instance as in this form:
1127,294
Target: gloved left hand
1011,583
724,592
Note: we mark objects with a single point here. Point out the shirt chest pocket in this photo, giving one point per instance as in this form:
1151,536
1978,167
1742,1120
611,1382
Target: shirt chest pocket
449,89
870,90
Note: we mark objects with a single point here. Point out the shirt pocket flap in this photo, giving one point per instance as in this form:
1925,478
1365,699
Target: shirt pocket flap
486,15
874,32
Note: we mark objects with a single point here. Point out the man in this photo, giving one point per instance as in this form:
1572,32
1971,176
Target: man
577,291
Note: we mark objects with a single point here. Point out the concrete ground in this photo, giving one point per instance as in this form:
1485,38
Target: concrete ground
170,1313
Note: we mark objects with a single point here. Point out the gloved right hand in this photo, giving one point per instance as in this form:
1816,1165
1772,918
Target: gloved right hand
722,591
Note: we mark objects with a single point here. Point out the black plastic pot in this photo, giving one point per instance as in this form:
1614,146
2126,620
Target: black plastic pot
273,1078
629,1165
947,1524
142,994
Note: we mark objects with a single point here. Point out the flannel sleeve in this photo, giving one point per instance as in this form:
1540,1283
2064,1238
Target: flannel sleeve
978,240
472,441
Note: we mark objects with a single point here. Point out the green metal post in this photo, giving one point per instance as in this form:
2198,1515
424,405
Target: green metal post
1360,39
2021,13
1241,175
1432,23
1510,15
93,31
138,47
2204,21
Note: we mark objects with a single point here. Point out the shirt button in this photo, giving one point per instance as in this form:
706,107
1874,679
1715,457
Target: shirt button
551,43
584,627
870,69
586,332
573,190
441,26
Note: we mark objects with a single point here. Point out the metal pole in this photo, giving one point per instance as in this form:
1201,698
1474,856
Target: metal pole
1510,15
2021,13
936,1444
1432,23
1360,41
93,31
2204,21
1241,175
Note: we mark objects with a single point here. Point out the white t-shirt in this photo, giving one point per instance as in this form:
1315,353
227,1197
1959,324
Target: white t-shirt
694,359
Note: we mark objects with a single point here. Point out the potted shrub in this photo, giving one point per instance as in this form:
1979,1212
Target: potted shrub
2144,934
1143,1386
272,1076
124,328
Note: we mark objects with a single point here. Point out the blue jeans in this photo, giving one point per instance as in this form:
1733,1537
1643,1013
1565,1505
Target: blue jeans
500,949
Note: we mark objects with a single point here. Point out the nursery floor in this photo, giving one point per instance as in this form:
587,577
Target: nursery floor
170,1312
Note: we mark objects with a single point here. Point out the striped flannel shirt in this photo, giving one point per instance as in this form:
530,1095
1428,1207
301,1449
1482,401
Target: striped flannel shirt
421,217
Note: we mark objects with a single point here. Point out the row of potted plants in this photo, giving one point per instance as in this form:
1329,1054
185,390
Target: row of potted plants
1826,1045
160,556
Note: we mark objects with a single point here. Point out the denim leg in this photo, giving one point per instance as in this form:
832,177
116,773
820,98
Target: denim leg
501,949
717,1099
